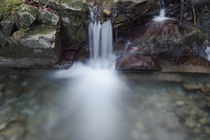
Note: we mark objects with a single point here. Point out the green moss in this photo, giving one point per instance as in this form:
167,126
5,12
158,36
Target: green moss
41,29
27,8
10,6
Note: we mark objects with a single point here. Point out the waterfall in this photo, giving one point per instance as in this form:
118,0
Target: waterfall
96,88
162,16
100,42
162,4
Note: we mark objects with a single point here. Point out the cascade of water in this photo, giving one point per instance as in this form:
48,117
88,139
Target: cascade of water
100,41
162,16
162,4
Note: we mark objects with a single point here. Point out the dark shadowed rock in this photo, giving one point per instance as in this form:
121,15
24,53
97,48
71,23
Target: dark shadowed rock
192,60
7,26
204,18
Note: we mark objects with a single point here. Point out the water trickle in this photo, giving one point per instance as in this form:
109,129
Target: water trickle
162,16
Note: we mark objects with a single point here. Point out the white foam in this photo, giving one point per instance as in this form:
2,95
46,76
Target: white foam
161,17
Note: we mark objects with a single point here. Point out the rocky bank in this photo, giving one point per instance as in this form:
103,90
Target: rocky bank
42,33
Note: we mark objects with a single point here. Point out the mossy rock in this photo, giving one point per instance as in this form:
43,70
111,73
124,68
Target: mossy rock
26,15
9,7
75,5
47,18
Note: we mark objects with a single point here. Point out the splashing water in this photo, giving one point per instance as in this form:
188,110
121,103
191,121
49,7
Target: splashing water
162,16
208,53
96,87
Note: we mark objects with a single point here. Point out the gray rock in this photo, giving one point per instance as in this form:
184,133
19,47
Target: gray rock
190,123
26,16
47,18
38,48
7,26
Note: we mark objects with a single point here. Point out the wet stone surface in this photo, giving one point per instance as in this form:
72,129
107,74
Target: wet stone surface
32,107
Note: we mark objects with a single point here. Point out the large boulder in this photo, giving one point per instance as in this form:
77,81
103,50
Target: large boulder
29,35
168,39
133,61
37,48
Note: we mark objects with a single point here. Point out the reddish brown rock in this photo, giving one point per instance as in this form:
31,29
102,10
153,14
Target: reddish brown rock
135,62
193,60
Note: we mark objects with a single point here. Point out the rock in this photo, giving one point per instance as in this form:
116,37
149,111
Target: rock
26,16
127,15
197,130
1,16
192,60
206,88
190,123
180,103
7,26
169,39
19,34
39,47
75,28
204,19
135,62
207,130
14,131
47,18
192,86
203,120
107,12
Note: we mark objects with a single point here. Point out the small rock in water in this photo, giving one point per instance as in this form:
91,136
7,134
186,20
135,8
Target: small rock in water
180,103
203,120
197,130
107,12
190,123
207,130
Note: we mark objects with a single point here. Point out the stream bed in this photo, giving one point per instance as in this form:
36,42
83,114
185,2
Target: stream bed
156,106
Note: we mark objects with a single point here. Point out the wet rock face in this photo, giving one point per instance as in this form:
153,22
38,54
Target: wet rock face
169,39
74,28
204,18
136,58
127,15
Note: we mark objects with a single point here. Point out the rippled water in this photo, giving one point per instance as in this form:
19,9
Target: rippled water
35,106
